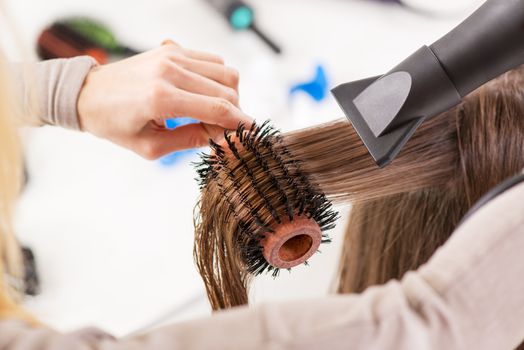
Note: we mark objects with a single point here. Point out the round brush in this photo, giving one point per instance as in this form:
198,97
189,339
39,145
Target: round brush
281,216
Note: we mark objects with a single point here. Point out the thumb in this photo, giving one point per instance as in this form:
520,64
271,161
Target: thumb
157,143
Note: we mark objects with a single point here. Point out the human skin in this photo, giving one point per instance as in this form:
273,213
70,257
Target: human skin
127,101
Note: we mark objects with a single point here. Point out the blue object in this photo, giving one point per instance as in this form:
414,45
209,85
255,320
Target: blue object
241,18
172,124
316,88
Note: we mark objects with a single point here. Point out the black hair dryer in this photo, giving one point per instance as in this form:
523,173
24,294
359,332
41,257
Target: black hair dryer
386,110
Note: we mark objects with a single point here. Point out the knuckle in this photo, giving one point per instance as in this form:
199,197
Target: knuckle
169,44
222,107
149,150
176,57
231,76
232,96
163,67
156,94
197,139
219,59
178,73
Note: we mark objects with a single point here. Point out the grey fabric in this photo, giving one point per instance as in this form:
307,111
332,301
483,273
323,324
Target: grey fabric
15,335
470,295
50,89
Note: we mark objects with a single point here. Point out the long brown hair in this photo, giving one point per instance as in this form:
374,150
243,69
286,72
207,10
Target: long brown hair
448,164
392,234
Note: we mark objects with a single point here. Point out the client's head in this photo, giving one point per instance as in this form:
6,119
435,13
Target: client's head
392,234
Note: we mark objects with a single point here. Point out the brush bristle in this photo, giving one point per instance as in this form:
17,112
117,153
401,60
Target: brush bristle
263,186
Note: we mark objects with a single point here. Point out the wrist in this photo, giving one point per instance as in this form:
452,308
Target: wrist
86,103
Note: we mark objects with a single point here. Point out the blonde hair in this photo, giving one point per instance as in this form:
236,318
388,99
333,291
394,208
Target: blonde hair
11,263
10,175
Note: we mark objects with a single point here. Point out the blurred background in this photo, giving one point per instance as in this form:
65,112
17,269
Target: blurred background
112,233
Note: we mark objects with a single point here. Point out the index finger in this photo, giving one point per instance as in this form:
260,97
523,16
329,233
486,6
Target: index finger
203,56
194,54
207,109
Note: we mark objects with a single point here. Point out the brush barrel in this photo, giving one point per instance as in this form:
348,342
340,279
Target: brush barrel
487,44
292,243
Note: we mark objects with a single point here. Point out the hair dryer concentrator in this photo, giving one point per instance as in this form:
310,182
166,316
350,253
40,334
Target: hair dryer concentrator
385,111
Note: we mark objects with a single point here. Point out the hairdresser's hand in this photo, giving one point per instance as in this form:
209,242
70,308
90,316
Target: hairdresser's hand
126,102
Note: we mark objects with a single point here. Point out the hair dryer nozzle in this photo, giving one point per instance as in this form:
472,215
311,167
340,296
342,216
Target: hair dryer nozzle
386,110
383,148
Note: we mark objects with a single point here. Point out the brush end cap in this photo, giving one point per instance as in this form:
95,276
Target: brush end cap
292,243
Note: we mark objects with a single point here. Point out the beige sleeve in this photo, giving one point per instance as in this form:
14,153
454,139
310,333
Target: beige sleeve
470,295
49,90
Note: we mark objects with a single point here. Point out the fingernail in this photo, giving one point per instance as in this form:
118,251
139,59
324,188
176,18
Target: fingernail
167,42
